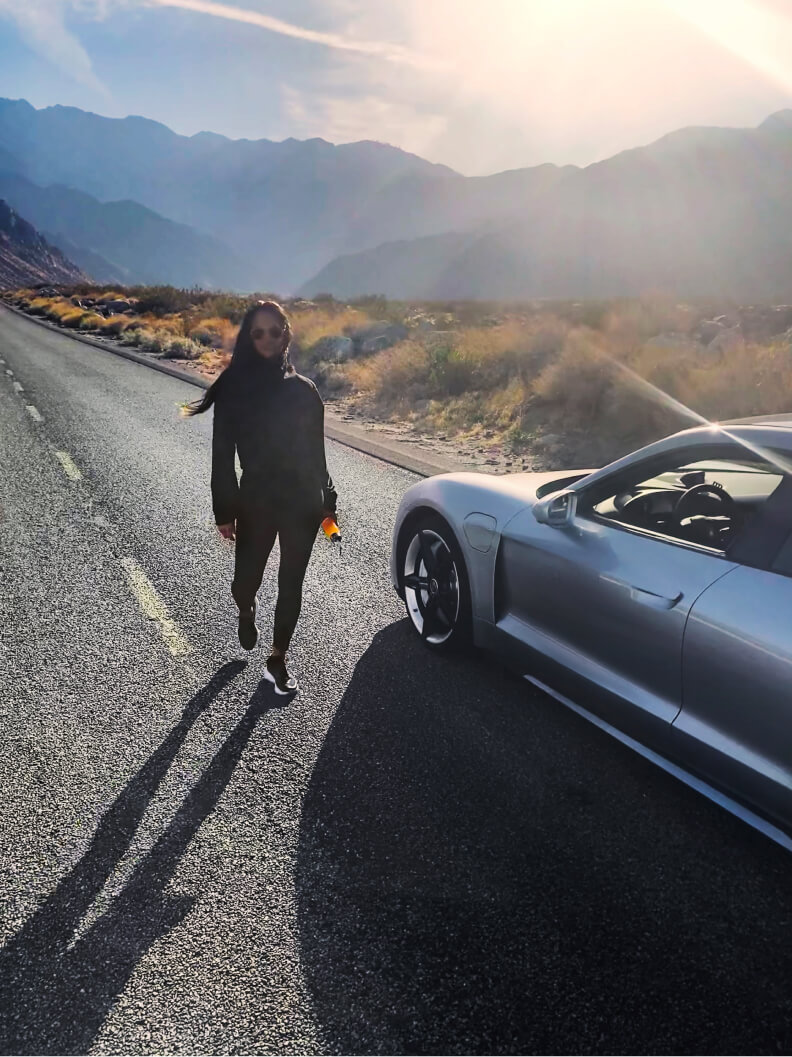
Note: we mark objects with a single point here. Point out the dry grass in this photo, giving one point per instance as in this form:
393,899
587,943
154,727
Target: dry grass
512,373
91,321
313,324
113,325
214,332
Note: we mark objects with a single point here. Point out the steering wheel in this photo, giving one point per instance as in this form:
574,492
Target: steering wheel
687,503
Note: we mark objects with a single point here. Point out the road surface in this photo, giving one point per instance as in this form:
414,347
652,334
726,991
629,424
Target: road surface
417,855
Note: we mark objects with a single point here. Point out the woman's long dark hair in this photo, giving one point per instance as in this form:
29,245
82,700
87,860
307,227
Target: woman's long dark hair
245,355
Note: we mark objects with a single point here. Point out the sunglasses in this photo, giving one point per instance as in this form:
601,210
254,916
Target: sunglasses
274,332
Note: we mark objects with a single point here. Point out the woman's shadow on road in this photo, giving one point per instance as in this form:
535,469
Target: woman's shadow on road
55,994
480,870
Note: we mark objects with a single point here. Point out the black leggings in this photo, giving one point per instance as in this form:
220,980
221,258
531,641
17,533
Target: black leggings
256,530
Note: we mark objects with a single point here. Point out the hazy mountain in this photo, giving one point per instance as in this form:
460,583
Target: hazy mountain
703,211
123,241
100,269
285,208
27,258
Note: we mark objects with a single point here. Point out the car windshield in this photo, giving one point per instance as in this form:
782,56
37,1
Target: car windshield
752,478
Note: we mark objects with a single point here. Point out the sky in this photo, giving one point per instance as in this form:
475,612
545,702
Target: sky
479,85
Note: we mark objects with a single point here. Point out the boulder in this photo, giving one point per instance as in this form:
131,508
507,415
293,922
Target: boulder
335,347
726,341
710,329
117,307
377,336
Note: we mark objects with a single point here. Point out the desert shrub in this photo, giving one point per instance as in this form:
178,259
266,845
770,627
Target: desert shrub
181,349
310,325
91,321
164,300
39,306
58,308
392,378
450,368
579,380
214,332
156,341
172,324
113,325
225,306
72,319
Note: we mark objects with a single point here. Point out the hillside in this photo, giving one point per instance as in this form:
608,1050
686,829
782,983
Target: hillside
27,258
701,212
123,241
285,209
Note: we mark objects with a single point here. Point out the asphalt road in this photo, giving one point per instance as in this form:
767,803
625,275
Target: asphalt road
416,855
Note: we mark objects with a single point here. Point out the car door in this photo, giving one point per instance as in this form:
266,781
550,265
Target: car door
597,611
736,715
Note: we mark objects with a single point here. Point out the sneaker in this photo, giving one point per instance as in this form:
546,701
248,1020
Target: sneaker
248,632
278,675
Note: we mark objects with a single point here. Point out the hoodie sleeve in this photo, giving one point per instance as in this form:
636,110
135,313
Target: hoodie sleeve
329,494
225,487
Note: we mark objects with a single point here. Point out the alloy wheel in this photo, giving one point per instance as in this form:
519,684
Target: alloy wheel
431,587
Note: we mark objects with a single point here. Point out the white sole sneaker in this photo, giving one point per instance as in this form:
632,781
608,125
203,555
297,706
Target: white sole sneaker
284,693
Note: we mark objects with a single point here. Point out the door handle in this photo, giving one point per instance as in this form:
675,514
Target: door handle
647,598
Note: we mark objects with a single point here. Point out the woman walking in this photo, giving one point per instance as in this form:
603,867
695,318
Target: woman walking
274,419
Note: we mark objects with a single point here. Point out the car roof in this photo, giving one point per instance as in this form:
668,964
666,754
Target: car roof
783,421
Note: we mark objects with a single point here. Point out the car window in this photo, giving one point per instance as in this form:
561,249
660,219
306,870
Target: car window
706,502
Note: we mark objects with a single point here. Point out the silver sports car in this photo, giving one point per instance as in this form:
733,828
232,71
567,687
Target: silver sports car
654,596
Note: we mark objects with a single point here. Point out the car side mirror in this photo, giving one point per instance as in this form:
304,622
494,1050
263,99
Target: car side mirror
556,510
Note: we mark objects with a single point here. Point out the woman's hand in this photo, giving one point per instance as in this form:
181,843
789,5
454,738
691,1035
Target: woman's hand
228,532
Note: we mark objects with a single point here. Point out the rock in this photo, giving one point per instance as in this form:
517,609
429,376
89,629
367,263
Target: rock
335,347
116,307
377,336
726,341
710,329
761,323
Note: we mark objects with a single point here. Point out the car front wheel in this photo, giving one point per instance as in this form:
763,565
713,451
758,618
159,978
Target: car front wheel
434,584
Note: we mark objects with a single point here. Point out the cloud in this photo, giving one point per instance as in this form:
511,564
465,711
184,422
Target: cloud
42,25
394,53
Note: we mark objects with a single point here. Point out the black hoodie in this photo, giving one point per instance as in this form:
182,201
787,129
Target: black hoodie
274,419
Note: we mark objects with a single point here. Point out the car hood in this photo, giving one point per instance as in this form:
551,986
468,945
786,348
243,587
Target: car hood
523,487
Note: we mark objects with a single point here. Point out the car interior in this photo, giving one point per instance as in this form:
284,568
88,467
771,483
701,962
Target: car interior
704,502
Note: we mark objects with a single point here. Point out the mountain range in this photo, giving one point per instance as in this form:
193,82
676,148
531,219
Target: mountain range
26,258
702,211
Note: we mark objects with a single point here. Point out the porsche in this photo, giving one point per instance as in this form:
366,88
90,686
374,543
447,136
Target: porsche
654,596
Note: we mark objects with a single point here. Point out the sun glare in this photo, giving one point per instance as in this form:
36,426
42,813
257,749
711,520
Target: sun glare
752,31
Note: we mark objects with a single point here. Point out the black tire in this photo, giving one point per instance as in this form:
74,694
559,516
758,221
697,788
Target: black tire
437,597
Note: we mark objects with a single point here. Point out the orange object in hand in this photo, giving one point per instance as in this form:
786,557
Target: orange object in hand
331,529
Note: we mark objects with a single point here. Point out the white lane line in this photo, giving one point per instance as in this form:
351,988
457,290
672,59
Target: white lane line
33,412
68,465
154,608
18,387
